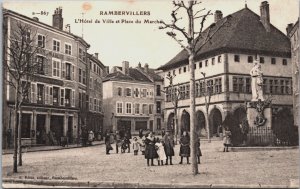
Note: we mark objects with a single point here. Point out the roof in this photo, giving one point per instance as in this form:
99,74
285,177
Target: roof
244,33
134,75
151,73
96,60
7,11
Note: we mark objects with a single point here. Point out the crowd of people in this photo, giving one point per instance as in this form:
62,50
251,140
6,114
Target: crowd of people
151,147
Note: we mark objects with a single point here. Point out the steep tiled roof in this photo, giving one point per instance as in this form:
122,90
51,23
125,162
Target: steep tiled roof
134,75
151,73
244,33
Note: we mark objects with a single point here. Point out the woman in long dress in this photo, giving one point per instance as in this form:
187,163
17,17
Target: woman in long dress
150,151
185,150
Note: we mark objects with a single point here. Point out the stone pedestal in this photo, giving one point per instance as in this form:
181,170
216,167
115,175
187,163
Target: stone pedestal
252,113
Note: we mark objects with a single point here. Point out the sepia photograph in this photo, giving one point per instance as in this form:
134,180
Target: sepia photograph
150,94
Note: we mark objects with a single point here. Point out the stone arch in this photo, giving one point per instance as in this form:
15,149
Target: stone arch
171,121
185,121
215,120
240,114
200,123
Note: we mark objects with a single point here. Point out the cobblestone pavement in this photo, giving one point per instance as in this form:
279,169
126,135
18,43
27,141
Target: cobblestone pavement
276,167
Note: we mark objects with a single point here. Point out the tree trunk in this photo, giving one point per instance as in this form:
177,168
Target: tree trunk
19,136
176,126
192,88
15,156
207,126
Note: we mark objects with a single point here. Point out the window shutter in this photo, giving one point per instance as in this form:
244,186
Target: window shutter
46,94
63,70
73,73
33,93
46,65
73,98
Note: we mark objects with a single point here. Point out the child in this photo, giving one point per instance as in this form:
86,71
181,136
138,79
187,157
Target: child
161,152
135,146
142,147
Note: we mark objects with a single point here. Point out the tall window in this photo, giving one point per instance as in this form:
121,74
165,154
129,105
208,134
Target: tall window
128,108
41,40
95,104
158,90
40,65
150,108
81,54
144,92
137,108
271,86
144,109
68,49
179,70
213,61
202,88
40,94
83,77
80,75
187,92
68,71
62,97
55,96
68,97
119,91
91,104
128,92
158,107
206,63
218,85
136,92
55,68
248,88
91,83
184,69
56,45
119,107
200,64
158,123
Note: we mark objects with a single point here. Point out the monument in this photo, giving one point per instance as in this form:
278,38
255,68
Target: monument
259,112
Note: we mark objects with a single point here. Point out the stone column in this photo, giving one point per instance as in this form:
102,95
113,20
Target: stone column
48,119
66,117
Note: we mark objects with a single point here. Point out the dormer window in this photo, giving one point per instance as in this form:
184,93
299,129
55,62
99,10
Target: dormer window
250,59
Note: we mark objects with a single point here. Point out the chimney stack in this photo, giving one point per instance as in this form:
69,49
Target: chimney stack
97,55
139,65
57,19
265,15
218,15
289,28
106,71
146,68
125,67
68,28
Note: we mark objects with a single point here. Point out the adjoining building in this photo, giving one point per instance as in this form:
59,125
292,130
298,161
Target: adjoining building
293,33
59,88
132,99
227,60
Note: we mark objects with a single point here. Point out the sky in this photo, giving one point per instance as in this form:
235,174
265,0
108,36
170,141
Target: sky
140,42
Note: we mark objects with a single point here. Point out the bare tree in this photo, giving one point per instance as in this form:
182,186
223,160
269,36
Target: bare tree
21,66
207,92
195,40
173,91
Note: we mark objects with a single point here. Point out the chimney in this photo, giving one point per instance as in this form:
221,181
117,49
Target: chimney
35,19
265,15
139,65
146,68
57,19
218,15
125,67
97,55
106,70
68,28
289,28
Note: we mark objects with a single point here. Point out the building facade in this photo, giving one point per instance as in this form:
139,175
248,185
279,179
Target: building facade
226,61
52,102
293,33
130,99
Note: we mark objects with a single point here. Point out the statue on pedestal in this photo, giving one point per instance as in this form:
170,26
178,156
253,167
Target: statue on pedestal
256,82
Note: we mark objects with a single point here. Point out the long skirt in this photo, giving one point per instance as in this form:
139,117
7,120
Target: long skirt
150,152
185,151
